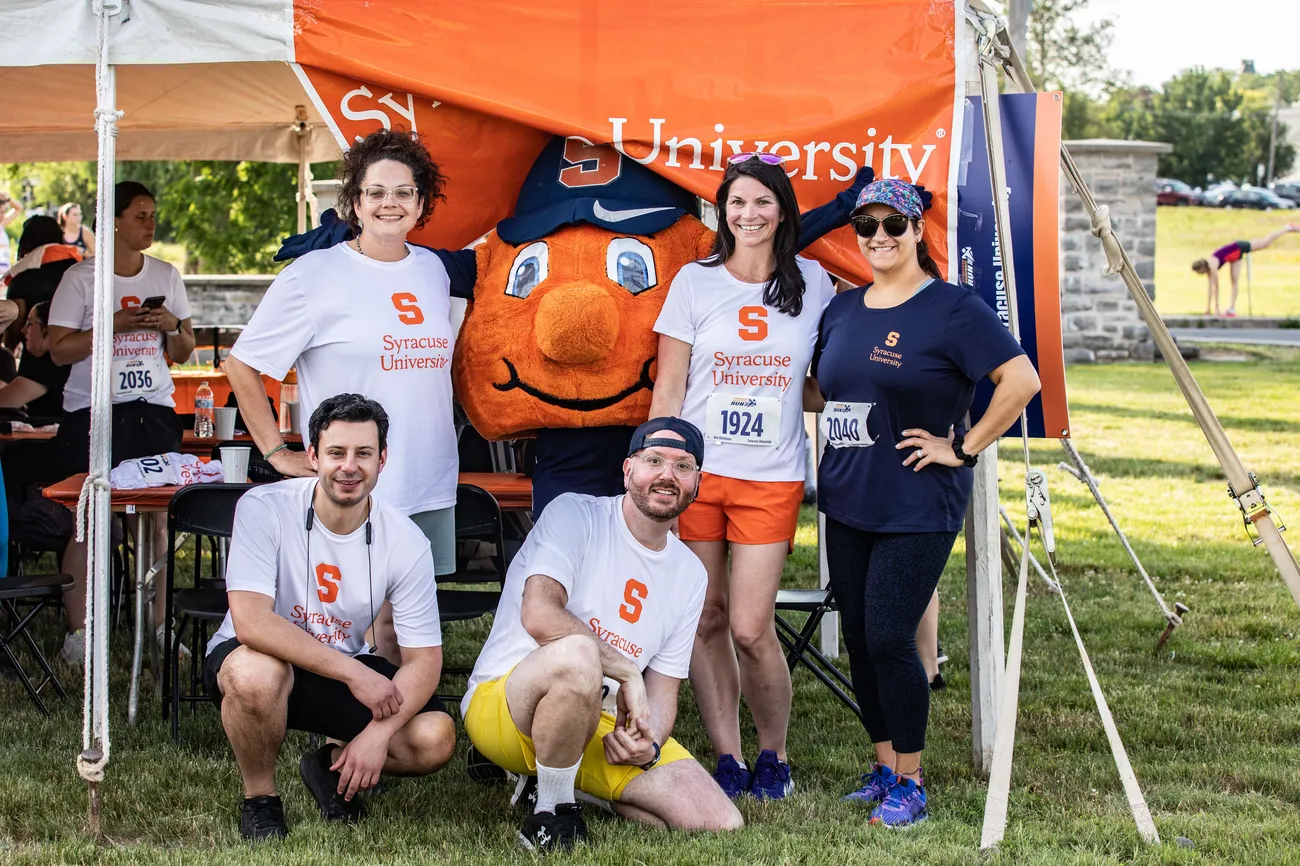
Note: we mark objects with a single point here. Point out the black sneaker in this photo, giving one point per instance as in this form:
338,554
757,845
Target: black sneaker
480,769
525,795
324,786
262,818
547,831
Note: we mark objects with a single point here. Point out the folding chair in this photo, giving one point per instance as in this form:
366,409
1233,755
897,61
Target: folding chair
38,591
478,518
799,642
204,511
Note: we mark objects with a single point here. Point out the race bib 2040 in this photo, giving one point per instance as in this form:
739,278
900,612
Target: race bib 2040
845,425
740,419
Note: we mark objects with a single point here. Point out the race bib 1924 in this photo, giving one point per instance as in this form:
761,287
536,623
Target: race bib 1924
740,419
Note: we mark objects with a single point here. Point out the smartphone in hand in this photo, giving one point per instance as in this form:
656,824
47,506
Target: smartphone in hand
152,303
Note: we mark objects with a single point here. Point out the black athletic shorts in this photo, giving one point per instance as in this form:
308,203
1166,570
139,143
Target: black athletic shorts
140,429
317,704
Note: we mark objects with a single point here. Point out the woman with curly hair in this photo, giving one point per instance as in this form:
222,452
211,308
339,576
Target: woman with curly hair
370,316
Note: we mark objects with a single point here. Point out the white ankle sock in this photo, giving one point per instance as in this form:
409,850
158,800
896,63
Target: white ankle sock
555,786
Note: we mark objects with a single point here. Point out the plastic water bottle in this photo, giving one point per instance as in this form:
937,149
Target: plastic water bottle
204,427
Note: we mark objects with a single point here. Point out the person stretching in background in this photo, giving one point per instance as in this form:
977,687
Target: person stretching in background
1232,255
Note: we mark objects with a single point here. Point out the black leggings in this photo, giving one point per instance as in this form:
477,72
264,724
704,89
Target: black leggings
882,583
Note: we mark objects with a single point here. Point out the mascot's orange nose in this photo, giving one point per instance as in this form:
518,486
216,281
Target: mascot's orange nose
577,324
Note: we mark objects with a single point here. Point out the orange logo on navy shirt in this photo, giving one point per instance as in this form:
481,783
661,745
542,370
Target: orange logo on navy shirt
753,324
892,339
328,578
408,311
634,592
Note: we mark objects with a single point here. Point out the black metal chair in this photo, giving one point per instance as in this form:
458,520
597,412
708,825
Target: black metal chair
478,519
37,592
799,645
204,511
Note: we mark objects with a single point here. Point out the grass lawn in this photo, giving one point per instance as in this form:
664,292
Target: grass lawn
1212,724
1184,234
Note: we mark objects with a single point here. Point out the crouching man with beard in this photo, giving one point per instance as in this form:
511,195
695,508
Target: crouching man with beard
601,600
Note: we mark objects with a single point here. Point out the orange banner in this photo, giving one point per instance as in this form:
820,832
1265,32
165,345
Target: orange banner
680,85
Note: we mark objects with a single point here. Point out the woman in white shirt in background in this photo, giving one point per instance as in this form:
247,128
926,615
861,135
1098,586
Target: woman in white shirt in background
370,316
737,333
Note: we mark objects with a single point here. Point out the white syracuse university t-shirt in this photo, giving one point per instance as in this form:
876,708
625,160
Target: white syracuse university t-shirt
744,388
139,364
337,597
351,324
644,603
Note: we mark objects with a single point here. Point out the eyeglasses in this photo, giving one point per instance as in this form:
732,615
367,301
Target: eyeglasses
895,224
683,469
379,194
768,158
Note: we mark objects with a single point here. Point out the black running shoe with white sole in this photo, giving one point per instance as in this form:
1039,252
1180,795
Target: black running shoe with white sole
262,818
546,831
324,786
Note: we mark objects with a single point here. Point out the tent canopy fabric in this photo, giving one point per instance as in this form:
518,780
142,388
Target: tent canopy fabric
830,85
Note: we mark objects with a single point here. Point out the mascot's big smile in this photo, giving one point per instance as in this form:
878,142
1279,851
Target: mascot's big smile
576,404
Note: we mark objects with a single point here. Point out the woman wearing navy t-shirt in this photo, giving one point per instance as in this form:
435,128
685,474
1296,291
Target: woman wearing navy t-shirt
895,370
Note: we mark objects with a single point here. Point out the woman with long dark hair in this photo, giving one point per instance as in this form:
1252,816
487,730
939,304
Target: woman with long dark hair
896,367
736,336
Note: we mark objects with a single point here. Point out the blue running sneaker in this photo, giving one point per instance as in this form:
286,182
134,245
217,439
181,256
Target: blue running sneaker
771,777
903,807
732,776
875,786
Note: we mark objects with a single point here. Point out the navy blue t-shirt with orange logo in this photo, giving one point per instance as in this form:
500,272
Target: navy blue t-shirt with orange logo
917,363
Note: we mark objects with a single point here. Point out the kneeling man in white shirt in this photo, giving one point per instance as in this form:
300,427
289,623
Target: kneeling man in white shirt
311,562
601,596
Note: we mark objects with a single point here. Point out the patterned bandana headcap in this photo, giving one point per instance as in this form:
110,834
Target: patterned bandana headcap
900,195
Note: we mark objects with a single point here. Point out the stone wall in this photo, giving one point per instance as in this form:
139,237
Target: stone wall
224,299
1099,321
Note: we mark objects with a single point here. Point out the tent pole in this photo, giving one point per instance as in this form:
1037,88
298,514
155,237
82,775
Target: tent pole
93,511
1243,487
303,131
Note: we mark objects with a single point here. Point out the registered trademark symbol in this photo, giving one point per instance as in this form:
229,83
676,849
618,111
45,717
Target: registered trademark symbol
941,133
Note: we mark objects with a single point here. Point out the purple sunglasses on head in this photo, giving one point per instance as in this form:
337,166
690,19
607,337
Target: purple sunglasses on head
768,158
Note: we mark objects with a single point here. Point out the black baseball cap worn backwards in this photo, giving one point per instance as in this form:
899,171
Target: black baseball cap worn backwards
644,437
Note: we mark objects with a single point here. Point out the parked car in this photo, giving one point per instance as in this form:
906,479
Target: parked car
1174,192
1255,198
1288,191
1213,195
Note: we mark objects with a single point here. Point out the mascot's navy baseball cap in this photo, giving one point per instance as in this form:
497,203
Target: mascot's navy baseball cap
573,181
644,437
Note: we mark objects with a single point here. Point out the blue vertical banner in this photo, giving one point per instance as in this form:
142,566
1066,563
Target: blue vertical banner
1031,140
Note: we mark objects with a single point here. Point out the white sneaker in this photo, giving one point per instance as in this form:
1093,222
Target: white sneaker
182,651
73,653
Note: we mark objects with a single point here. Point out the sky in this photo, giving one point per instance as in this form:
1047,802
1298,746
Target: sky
1155,39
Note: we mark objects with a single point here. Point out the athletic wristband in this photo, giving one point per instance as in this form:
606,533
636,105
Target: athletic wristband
280,447
649,764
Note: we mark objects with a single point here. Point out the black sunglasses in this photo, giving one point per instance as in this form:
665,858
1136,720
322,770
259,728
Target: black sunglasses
895,224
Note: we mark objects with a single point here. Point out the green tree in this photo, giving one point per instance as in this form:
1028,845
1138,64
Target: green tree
1216,134
1064,55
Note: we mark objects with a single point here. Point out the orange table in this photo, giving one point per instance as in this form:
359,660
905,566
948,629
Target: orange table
26,436
187,385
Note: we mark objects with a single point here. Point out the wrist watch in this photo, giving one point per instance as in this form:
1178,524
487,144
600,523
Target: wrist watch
180,327
649,764
968,459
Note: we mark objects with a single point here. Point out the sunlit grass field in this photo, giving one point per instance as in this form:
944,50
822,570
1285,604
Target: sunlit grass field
1212,723
1184,234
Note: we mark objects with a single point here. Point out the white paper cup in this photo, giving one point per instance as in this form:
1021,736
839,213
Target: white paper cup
294,410
234,463
225,421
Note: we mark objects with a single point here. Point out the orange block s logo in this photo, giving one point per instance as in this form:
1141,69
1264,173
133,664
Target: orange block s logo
130,301
753,324
892,339
634,593
593,164
328,578
408,311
